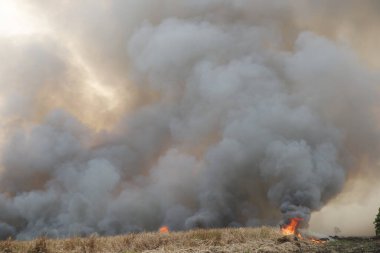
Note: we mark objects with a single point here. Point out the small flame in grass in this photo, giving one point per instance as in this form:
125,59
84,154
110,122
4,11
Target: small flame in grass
291,228
317,241
164,229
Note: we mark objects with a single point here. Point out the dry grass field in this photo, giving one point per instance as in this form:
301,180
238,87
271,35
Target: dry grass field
245,240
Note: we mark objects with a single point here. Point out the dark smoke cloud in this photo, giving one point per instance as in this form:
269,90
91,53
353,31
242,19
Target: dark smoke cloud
228,113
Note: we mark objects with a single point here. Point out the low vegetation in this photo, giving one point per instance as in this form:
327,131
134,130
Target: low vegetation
246,240
377,223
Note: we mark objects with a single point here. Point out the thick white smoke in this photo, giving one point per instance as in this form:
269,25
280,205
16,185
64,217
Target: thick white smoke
132,114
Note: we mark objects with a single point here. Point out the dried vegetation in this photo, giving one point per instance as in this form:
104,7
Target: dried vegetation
246,240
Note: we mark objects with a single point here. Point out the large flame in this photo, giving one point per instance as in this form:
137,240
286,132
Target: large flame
291,228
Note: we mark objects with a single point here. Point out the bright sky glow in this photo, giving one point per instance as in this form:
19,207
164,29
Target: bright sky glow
14,20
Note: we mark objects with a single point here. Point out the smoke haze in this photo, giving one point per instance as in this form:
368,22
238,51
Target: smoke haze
127,115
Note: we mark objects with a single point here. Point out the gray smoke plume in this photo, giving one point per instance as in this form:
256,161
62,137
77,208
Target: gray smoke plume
211,113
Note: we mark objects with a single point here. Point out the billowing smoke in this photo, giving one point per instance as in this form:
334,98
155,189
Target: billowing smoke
127,115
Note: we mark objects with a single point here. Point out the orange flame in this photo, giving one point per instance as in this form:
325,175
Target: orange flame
317,241
291,228
164,229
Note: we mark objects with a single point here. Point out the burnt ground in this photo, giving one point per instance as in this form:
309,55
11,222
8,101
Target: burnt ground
331,245
353,245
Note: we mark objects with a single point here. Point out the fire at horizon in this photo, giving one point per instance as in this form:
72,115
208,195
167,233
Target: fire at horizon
117,116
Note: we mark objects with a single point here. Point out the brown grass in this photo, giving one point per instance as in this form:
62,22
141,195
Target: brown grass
214,240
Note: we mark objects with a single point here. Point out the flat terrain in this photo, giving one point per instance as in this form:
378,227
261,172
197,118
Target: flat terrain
255,240
355,245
